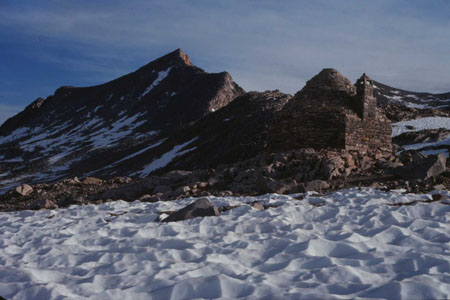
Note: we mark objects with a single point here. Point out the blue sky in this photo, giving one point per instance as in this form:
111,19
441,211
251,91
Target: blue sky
263,44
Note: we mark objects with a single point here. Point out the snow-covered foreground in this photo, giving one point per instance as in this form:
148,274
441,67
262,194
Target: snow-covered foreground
351,243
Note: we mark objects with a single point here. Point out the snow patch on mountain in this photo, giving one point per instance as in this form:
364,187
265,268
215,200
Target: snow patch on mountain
18,133
116,131
420,124
165,159
161,76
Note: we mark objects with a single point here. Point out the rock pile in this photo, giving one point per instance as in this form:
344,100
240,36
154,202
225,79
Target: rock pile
283,172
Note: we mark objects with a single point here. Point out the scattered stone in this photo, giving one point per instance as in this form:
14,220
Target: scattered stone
423,168
42,204
178,175
225,193
70,200
92,180
268,185
257,205
439,187
24,190
200,208
202,185
162,189
439,197
181,191
316,186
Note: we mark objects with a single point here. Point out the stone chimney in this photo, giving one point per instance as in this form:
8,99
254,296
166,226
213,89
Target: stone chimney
366,102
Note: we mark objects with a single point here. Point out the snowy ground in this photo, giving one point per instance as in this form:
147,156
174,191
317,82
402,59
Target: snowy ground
351,243
431,148
420,124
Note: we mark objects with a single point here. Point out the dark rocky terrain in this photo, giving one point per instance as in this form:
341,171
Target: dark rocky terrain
78,131
389,95
171,130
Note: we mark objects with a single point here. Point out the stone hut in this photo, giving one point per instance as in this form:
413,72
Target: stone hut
331,112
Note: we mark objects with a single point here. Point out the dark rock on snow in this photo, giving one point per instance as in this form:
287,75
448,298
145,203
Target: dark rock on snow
200,208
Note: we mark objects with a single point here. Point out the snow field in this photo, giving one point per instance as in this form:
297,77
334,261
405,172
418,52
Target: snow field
348,244
420,124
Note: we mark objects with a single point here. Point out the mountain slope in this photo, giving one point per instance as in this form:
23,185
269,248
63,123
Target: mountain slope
389,95
78,130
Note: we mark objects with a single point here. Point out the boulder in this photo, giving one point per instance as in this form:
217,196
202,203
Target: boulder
24,190
129,192
268,185
69,200
42,204
162,189
424,168
439,197
178,176
411,156
316,186
200,208
92,180
181,190
257,205
439,187
149,198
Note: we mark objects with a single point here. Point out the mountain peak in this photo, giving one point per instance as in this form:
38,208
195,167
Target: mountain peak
177,57
183,56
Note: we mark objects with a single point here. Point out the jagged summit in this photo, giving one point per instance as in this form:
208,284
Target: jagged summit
178,55
176,58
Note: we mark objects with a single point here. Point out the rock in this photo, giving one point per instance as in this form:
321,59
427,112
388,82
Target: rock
391,164
181,190
150,198
200,208
439,187
204,194
24,190
316,186
280,157
121,180
423,168
127,192
257,205
69,200
411,156
347,172
267,185
202,185
92,180
438,197
178,175
225,193
42,204
162,189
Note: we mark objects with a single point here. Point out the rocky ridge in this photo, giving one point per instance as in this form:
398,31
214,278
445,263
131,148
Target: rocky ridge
289,172
198,135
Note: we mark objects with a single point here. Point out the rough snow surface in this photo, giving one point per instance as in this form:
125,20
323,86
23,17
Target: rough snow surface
420,124
349,244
